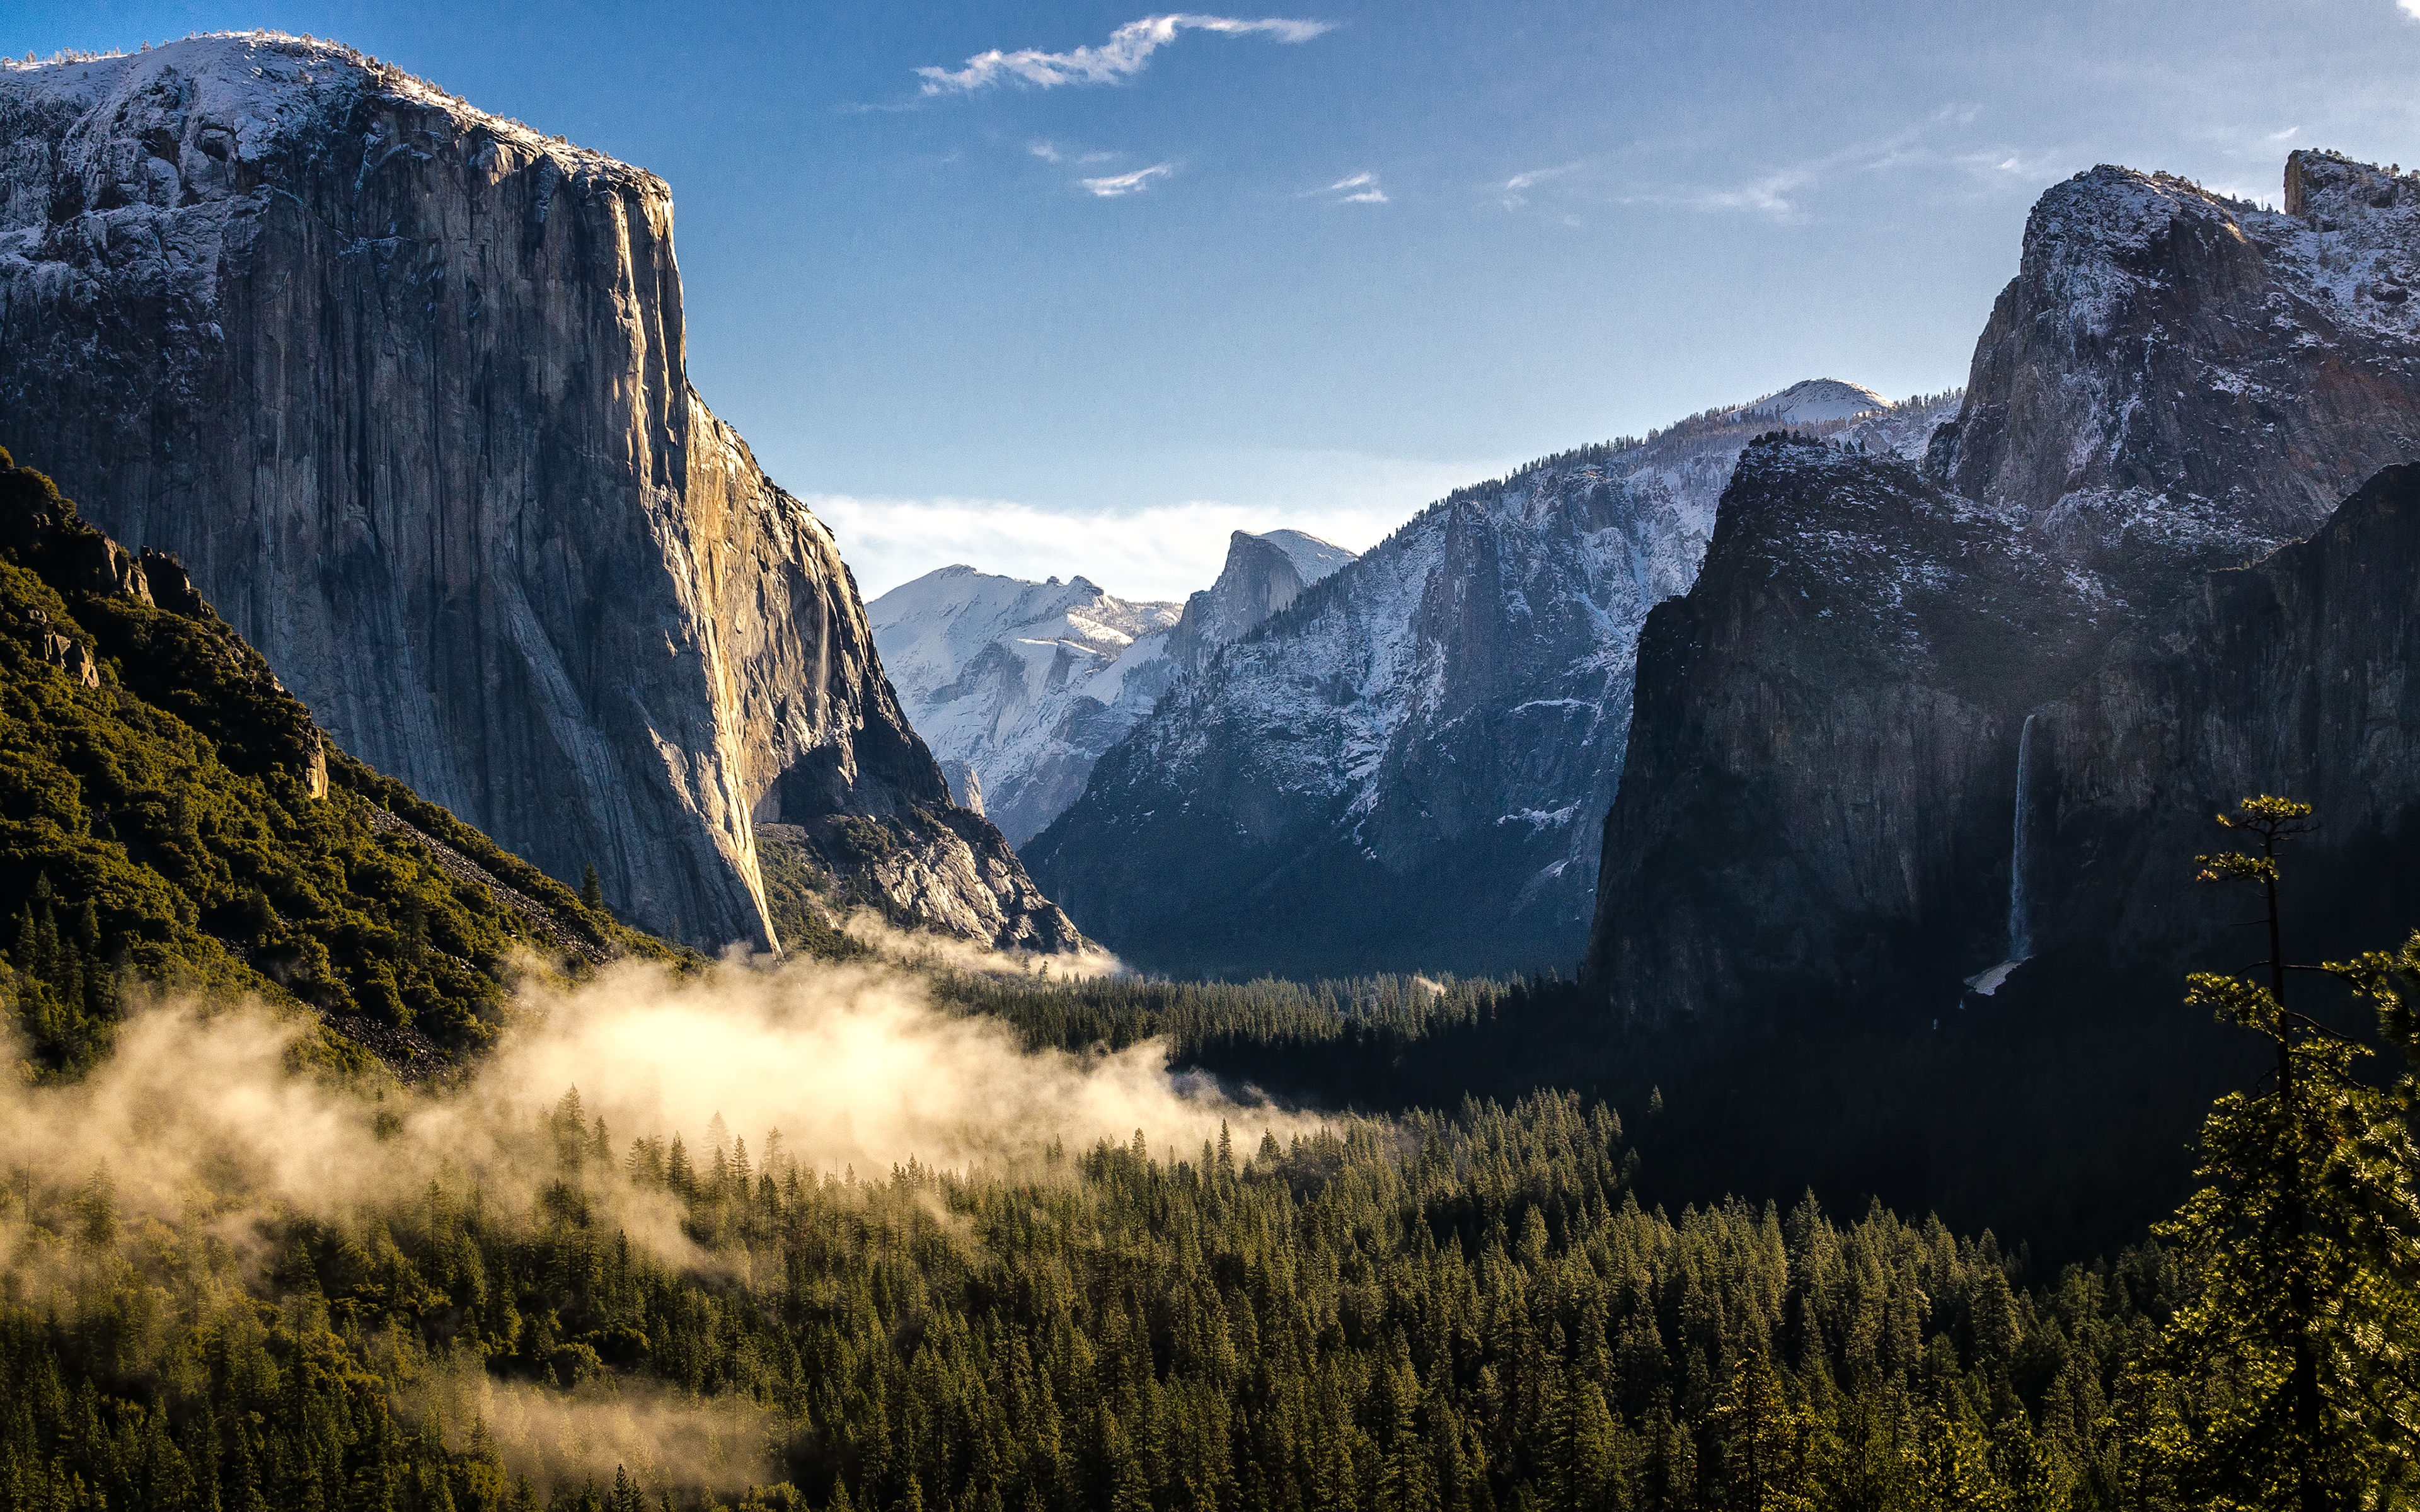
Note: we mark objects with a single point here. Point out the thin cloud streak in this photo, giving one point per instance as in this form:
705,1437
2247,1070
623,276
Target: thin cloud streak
1127,183
1122,56
1516,187
1364,186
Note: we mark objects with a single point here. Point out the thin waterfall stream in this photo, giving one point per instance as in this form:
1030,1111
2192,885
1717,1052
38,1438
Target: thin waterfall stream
2021,918
2021,902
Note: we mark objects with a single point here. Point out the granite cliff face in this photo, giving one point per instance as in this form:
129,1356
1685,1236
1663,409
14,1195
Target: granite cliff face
1821,752
1822,808
1261,575
403,384
1405,765
2176,381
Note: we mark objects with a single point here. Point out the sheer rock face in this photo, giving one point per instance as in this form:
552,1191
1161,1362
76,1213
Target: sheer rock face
2294,676
403,384
1262,574
2173,383
1821,749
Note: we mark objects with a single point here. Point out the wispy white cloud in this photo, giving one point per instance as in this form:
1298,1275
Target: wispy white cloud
2411,7
1054,152
1354,188
1516,188
1769,194
1127,183
1122,56
1158,551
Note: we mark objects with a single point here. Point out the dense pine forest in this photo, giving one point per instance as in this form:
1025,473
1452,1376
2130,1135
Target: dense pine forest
1463,1279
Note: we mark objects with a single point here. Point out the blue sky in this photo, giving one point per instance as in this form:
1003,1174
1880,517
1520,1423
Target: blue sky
1357,259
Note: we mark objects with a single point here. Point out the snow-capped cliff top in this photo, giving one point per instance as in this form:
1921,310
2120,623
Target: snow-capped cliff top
1312,558
1813,402
2348,236
248,90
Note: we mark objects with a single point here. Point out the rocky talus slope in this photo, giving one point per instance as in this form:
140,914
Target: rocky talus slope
1822,806
1405,765
403,384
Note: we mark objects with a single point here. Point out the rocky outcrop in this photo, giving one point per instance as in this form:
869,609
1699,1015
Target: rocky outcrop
1404,767
1261,575
1822,806
403,384
2176,381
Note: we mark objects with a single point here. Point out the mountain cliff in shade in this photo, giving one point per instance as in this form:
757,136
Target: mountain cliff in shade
1821,799
1020,687
403,384
2291,675
1404,767
171,814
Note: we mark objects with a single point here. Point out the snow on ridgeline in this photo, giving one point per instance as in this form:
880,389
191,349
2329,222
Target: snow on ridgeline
1023,684
1456,702
258,85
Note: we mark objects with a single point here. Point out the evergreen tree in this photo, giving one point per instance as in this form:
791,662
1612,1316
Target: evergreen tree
2293,1370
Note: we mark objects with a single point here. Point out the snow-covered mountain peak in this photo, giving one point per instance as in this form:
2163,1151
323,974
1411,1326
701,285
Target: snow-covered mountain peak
1815,401
1019,685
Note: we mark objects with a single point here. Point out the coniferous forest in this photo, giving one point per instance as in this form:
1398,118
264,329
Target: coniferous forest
1472,1298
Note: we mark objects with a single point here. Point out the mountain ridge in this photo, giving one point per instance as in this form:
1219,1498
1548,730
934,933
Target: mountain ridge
1452,704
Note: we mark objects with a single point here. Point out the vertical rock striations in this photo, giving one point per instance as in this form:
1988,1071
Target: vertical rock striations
404,384
1261,575
1823,743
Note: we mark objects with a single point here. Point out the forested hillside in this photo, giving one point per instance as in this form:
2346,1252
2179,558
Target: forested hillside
170,815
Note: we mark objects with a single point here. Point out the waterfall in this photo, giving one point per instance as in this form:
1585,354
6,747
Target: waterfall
2021,922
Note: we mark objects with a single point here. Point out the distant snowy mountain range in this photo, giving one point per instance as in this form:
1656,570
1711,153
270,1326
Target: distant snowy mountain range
1019,686
1306,761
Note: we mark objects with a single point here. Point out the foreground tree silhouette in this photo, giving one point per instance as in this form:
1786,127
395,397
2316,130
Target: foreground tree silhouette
2293,1373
